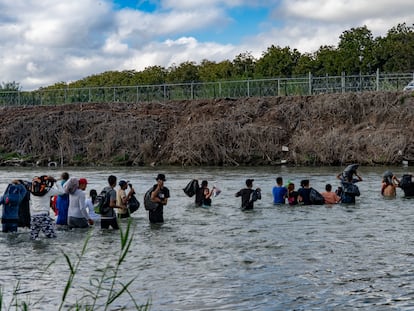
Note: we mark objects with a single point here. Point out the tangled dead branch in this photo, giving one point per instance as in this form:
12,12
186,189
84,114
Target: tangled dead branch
368,128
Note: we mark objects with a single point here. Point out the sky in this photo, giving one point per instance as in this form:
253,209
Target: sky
43,42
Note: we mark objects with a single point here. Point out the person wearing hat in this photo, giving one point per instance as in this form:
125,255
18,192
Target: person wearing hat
122,199
78,215
248,195
160,195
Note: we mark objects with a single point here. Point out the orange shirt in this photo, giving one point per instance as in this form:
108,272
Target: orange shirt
330,197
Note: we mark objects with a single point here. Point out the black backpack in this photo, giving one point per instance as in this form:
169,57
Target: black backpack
316,198
102,202
148,203
133,204
255,195
191,188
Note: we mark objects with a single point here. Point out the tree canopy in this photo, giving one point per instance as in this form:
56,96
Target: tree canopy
358,52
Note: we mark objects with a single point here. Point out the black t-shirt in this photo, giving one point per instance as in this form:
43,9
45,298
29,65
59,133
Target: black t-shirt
157,216
305,194
245,195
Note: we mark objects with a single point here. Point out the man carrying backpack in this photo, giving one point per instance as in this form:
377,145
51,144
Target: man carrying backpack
159,195
13,196
108,215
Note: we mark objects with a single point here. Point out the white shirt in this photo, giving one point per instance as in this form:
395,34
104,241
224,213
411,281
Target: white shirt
77,206
91,210
41,205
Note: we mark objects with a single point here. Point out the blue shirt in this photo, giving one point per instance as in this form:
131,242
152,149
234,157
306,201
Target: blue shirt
279,194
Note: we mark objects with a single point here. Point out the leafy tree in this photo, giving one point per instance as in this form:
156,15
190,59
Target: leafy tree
395,52
305,64
212,71
327,62
10,86
355,48
277,61
184,73
151,75
244,65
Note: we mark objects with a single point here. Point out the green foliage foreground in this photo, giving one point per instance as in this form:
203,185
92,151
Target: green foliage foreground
101,294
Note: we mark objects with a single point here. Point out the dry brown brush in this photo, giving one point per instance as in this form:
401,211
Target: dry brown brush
332,129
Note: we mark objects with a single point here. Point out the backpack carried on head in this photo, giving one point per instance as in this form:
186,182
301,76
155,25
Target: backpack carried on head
148,203
387,176
13,195
133,204
71,185
349,172
102,201
41,185
315,197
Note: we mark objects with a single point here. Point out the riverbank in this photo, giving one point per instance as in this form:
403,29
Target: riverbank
373,128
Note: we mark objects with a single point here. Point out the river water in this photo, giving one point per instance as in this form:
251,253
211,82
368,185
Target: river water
272,258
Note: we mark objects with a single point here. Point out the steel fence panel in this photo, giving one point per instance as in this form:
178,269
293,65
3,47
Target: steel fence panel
199,90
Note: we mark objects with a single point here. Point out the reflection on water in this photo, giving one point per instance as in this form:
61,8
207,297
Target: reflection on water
272,258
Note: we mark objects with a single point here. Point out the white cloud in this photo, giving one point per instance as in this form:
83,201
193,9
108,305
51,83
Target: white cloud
48,41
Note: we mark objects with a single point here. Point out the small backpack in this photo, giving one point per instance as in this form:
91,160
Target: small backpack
255,195
148,203
101,205
133,204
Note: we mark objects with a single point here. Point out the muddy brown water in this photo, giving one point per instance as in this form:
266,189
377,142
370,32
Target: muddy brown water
273,258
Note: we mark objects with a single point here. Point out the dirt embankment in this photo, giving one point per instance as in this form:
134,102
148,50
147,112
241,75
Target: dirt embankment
368,128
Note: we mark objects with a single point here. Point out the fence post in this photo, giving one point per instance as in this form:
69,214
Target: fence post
278,87
310,83
343,86
248,88
137,100
165,91
378,82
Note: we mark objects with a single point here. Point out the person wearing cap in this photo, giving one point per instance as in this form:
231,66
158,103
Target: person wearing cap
160,195
122,199
279,192
248,195
78,216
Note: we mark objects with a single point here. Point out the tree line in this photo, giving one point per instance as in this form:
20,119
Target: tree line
358,52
